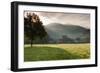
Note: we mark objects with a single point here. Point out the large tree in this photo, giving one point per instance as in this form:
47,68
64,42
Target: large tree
33,27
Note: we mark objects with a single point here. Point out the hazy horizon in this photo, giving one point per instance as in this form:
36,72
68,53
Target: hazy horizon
79,19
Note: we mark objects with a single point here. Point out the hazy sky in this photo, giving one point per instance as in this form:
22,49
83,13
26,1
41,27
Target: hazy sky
80,19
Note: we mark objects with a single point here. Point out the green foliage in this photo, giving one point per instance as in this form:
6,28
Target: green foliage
33,27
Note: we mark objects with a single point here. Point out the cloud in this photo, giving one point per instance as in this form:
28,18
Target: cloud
80,19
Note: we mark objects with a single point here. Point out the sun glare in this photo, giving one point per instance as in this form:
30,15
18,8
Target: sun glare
44,20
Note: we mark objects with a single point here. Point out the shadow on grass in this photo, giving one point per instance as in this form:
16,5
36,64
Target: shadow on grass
47,53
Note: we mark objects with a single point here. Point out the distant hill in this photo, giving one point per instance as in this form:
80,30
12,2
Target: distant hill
67,33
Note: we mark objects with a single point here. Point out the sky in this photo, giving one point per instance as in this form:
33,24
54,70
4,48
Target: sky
80,19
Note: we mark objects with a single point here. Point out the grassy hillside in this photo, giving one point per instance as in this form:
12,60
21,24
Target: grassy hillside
46,52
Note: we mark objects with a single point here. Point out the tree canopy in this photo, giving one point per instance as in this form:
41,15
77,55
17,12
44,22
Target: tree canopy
33,27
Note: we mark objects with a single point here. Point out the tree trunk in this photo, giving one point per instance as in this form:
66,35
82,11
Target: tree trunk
31,42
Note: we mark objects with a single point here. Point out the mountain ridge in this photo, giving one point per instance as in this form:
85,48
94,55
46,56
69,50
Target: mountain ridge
58,31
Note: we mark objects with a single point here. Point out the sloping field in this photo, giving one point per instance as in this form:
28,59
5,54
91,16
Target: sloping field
40,52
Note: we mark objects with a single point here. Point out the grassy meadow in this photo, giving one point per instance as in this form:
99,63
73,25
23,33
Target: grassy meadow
45,52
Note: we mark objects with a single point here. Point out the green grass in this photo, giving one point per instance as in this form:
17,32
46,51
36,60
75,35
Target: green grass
44,52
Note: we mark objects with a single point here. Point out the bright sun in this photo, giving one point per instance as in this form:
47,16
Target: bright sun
45,20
